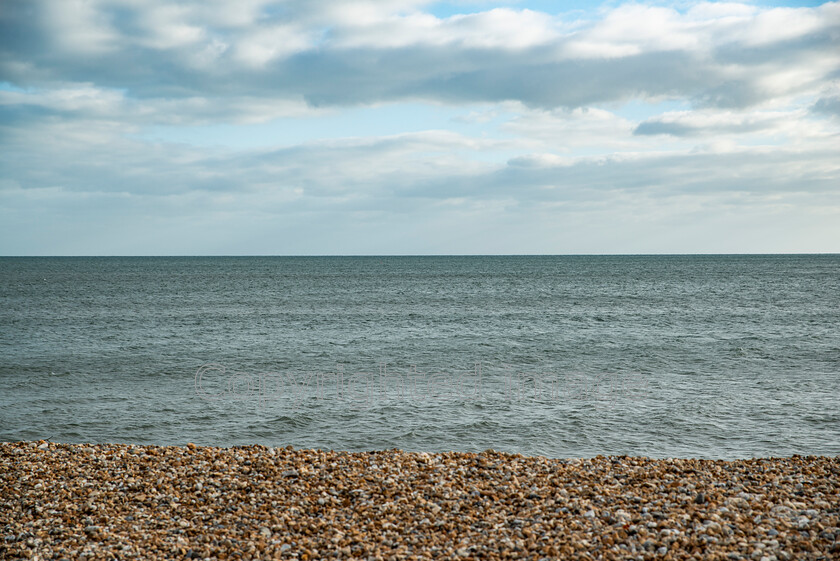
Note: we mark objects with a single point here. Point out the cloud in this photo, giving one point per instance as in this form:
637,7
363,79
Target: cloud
700,123
86,101
397,170
97,193
500,28
567,130
337,53
829,105
626,128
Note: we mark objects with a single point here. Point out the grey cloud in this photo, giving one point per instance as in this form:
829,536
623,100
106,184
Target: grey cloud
364,76
659,125
787,52
829,105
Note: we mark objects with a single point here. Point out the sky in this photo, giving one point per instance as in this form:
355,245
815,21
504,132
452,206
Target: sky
412,127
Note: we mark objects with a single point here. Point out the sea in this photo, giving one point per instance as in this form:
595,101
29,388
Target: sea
690,356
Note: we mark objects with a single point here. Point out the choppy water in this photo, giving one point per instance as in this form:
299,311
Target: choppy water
690,356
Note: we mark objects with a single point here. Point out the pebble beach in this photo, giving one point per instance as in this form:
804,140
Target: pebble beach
118,501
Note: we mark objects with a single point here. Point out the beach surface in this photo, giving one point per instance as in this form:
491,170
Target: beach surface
117,501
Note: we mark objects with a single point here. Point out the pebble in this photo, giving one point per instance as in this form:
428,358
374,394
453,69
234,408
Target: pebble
252,502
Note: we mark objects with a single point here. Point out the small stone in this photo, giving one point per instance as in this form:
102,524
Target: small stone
102,501
713,528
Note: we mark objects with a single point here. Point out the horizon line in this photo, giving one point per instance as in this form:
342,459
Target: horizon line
373,255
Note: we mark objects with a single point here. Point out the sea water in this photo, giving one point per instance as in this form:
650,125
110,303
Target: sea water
564,356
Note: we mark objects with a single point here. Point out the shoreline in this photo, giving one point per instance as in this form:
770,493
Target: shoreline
254,502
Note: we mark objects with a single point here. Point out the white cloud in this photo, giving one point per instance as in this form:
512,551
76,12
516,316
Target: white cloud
85,101
717,12
568,130
783,24
498,28
268,44
169,27
632,30
80,27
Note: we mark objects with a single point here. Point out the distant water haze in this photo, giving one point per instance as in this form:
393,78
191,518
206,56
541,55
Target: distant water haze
563,356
